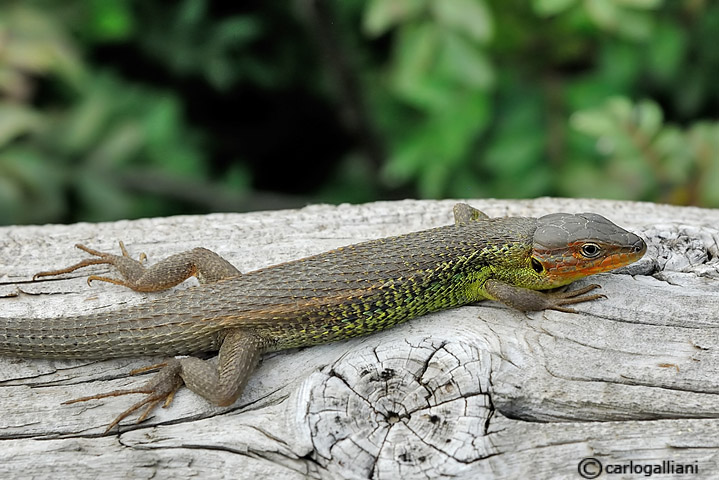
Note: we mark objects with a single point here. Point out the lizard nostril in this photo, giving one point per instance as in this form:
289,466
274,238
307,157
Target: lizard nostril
639,245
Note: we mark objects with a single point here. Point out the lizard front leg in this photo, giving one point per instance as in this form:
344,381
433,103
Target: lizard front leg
220,380
202,263
525,299
464,214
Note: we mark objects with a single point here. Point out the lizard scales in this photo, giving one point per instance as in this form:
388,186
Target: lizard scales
338,294
346,292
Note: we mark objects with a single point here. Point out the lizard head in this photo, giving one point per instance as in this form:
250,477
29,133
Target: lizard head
567,247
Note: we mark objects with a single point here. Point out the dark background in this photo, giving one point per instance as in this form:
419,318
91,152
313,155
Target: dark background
133,108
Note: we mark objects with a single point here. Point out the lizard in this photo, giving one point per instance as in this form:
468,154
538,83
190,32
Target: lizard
343,293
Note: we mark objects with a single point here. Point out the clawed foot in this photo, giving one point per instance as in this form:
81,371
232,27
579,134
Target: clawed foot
103,258
161,388
557,300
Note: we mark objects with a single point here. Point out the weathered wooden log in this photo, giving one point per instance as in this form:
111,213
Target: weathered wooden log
478,391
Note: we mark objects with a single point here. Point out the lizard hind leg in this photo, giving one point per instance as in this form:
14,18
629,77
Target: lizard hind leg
219,380
204,264
161,387
103,258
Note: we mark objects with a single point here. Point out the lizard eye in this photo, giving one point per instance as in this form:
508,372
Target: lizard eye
538,267
591,250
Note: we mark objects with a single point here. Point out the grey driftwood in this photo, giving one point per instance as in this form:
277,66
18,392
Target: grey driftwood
479,391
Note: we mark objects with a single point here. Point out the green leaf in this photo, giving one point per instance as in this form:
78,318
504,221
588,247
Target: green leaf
238,177
635,25
382,15
514,157
471,17
458,125
353,181
517,148
405,162
110,20
547,8
604,13
587,91
704,140
465,183
433,182
532,184
431,151
415,77
621,66
122,144
100,196
31,187
592,122
85,122
644,4
612,17
584,180
190,13
162,121
465,62
16,120
649,118
620,108
237,31
667,51
676,156
34,42
632,170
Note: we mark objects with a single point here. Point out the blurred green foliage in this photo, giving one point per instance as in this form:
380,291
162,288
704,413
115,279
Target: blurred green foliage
128,108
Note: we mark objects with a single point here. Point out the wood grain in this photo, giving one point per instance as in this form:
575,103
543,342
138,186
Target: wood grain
479,391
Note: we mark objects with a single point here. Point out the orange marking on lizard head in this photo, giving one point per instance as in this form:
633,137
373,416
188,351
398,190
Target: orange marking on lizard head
569,247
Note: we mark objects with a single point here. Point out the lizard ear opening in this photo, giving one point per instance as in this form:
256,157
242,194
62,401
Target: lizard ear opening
537,266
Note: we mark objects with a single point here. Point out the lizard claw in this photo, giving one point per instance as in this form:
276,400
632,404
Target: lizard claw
85,263
558,300
102,258
161,388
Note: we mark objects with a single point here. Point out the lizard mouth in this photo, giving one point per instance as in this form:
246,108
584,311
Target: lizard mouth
570,264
